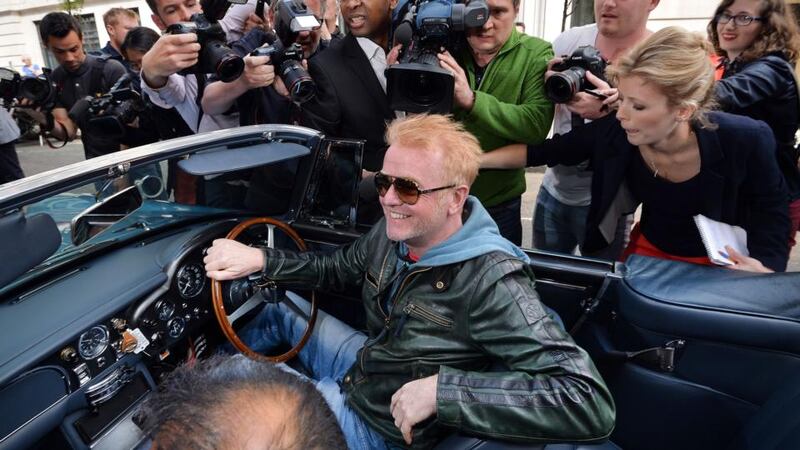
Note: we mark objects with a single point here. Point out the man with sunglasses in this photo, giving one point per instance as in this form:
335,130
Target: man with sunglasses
447,299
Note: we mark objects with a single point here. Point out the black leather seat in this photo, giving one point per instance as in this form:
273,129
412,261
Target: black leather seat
776,425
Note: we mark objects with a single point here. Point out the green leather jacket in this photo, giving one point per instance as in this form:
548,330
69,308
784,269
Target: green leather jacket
460,321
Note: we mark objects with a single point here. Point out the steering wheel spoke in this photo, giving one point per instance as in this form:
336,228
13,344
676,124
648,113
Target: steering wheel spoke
226,320
288,300
245,308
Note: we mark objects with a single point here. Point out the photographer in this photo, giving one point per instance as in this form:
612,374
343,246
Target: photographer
166,121
78,75
500,99
173,53
118,22
562,206
265,105
349,75
10,169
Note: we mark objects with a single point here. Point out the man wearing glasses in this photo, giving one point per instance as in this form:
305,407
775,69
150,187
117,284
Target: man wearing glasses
447,298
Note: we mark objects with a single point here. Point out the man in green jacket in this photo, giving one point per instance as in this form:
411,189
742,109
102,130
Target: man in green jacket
457,339
501,100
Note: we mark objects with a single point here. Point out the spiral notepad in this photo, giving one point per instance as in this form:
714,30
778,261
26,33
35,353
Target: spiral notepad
716,235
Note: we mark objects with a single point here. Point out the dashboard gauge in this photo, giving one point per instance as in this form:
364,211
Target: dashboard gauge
176,327
191,280
93,343
164,309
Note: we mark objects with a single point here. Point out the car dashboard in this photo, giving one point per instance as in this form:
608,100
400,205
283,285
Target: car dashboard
112,326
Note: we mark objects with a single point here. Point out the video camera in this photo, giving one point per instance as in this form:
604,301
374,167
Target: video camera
425,27
110,114
291,18
38,90
215,55
571,76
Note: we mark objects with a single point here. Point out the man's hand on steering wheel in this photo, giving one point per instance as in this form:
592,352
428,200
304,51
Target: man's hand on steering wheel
227,259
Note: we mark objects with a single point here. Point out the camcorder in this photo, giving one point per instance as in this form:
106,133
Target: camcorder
38,90
425,28
215,55
286,55
110,114
571,76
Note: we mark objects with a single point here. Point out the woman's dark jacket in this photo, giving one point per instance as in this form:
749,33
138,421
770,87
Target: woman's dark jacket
740,181
765,89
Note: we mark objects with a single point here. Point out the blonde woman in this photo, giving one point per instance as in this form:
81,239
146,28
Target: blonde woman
666,150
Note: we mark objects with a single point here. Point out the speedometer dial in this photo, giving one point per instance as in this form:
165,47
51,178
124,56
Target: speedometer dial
93,343
191,280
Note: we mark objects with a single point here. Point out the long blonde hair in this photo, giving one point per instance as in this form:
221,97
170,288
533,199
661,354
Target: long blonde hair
677,62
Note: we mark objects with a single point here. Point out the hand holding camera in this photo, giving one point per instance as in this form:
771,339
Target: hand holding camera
578,81
258,72
170,54
463,96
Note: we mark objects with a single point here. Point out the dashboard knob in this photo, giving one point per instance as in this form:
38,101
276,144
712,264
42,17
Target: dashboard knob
69,354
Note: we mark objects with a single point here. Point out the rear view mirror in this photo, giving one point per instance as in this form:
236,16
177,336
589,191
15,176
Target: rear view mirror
105,213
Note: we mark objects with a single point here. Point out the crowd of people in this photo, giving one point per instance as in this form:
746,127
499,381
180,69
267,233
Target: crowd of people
678,123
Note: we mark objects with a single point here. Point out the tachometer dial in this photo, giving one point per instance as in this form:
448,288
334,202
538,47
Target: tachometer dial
191,280
93,343
176,327
164,309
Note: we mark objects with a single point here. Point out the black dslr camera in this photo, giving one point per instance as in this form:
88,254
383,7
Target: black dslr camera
426,27
291,17
39,90
571,76
110,114
215,56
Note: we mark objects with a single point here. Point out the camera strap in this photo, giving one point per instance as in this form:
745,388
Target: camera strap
201,87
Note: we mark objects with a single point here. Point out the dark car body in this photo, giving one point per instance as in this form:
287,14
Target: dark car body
696,357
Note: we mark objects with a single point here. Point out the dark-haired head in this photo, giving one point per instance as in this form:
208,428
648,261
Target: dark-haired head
140,39
58,24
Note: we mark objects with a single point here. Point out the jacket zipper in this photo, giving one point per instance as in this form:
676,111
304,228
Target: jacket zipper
424,313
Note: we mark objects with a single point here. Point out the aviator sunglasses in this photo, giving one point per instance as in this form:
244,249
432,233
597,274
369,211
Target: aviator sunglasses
408,191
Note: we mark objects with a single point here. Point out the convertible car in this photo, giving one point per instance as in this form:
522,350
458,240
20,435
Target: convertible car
103,293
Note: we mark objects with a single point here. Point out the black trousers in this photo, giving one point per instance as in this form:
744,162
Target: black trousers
10,169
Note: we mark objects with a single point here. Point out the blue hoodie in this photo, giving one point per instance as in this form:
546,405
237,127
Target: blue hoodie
478,236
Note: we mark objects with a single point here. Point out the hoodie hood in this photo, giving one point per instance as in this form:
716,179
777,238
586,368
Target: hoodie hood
478,236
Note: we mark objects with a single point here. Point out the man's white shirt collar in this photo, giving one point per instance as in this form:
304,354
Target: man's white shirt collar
377,58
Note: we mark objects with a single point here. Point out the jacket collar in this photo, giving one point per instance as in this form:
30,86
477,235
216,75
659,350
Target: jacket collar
359,64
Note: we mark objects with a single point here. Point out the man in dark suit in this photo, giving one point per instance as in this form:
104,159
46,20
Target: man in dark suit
351,97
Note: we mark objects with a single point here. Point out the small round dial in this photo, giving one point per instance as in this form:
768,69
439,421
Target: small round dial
191,280
176,327
165,309
93,343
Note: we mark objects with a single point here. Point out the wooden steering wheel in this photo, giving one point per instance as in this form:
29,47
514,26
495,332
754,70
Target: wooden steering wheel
226,320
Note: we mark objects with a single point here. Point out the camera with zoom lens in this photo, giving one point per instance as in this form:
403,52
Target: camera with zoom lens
286,55
424,28
38,90
110,114
571,76
215,55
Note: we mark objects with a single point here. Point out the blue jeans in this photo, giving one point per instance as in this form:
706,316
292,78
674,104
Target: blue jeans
328,354
507,217
558,227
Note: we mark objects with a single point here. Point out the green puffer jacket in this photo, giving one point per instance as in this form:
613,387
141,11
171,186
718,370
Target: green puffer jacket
460,321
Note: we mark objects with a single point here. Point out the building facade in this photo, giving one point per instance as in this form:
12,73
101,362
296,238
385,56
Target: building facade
19,20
